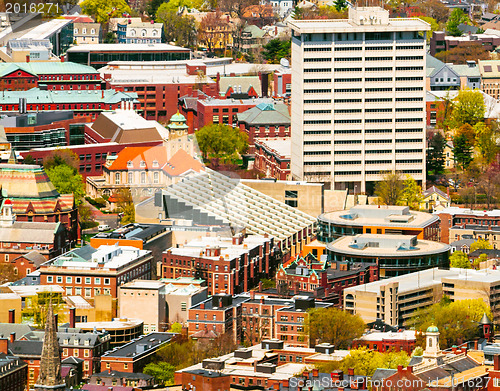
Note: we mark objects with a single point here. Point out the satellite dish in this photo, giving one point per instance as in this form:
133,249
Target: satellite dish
284,63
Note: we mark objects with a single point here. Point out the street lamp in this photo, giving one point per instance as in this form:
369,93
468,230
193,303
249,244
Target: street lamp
355,198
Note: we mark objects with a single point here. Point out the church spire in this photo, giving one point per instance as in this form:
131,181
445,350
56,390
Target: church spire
50,362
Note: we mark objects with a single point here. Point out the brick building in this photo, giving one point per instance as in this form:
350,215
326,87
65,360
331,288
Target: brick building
158,86
272,158
13,371
83,103
22,76
135,355
44,129
229,265
89,272
35,199
87,346
263,121
441,42
28,262
385,341
454,222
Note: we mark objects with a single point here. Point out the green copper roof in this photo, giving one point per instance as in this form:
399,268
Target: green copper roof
178,117
35,95
46,68
432,329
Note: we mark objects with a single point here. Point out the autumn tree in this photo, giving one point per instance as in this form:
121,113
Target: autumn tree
325,12
433,23
210,30
460,54
125,205
485,143
412,193
489,182
236,7
459,260
390,189
7,273
480,244
468,108
331,325
457,321
435,9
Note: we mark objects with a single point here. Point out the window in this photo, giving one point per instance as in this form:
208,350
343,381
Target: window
143,177
130,177
88,280
106,281
50,279
78,280
59,279
68,280
97,280
117,178
156,177
88,292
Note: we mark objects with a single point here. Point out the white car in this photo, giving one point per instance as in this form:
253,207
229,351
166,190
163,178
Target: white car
103,227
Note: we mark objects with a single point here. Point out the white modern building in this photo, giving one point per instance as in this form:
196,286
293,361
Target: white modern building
358,107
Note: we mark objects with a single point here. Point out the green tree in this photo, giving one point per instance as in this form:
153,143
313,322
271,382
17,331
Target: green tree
390,190
462,151
67,181
59,157
456,18
163,372
460,260
178,28
29,160
486,145
480,244
468,108
125,205
276,49
365,362
456,321
103,10
333,326
219,141
435,154
477,262
340,5
412,193
433,23
175,328
153,6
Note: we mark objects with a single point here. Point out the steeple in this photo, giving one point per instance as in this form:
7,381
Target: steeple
12,157
50,362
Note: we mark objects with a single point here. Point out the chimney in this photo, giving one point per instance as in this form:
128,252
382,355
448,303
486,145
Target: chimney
72,311
400,368
4,346
12,337
454,349
27,58
260,286
496,362
315,372
350,371
12,316
202,306
252,295
262,300
463,350
476,345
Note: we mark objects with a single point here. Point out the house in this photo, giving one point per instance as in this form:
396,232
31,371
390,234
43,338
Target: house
434,199
259,15
449,157
462,245
253,38
141,32
86,32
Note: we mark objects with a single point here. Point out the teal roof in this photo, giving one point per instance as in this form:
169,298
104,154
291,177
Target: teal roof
266,106
432,329
46,68
266,114
254,31
35,95
178,117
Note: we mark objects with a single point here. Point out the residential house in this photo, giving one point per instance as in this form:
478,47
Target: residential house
84,33
490,77
434,199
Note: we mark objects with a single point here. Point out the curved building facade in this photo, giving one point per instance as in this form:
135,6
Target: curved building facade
395,254
377,219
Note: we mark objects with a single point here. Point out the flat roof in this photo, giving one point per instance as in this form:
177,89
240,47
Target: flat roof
31,290
388,335
428,278
118,323
143,284
380,216
46,29
121,47
455,210
373,245
281,146
150,341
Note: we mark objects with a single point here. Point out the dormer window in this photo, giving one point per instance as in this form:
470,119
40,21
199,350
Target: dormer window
143,164
143,33
130,164
155,164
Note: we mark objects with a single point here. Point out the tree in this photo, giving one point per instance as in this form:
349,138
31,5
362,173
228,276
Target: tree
125,205
459,260
433,23
67,181
212,27
486,145
324,12
29,160
219,141
365,362
277,49
435,9
462,151
163,372
103,10
178,28
7,273
153,7
462,53
61,157
390,190
468,108
456,18
489,182
412,193
477,262
340,5
480,244
456,321
435,154
175,328
334,326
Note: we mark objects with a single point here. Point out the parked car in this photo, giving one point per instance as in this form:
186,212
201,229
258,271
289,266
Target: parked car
103,227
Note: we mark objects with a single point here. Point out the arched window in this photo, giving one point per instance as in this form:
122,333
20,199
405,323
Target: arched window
143,33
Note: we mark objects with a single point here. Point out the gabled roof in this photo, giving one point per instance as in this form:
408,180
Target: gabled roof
35,257
433,62
434,190
30,232
181,163
266,114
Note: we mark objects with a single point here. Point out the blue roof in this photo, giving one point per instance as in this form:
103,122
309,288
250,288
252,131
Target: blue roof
35,95
266,106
